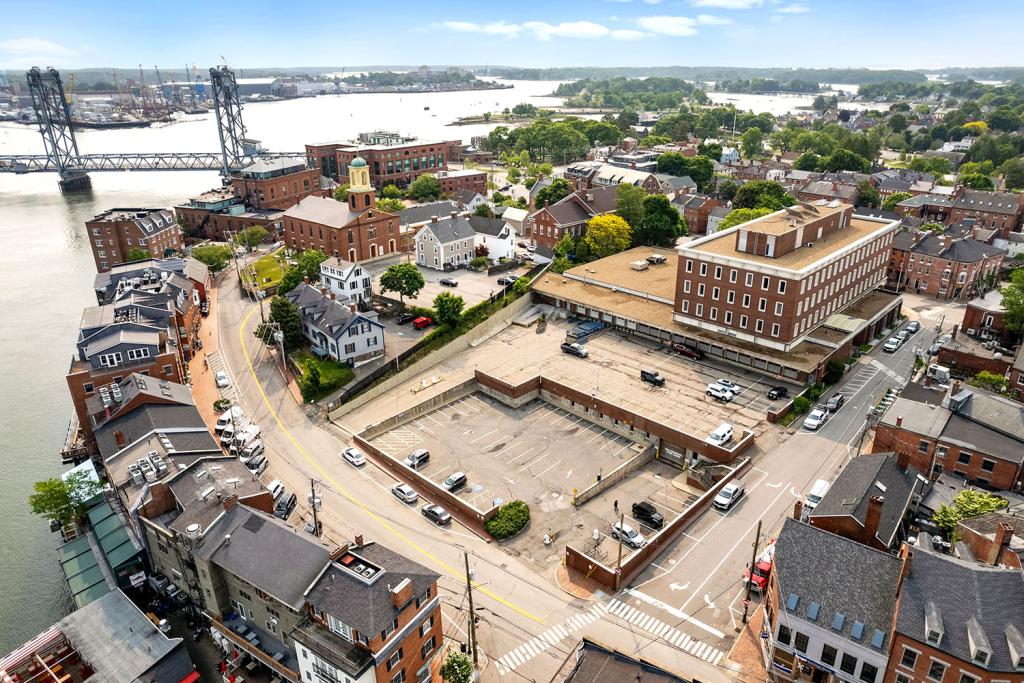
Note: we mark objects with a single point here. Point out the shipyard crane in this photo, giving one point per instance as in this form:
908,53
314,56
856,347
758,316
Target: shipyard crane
142,90
161,90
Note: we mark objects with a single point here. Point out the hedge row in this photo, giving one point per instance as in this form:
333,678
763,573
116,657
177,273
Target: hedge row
510,520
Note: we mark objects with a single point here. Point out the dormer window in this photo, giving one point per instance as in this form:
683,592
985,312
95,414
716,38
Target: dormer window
933,628
934,637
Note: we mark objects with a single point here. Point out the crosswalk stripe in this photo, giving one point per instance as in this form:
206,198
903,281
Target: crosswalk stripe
700,650
645,621
662,628
686,640
690,647
515,658
718,658
562,633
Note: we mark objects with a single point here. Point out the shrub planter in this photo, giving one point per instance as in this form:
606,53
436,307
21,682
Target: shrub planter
510,521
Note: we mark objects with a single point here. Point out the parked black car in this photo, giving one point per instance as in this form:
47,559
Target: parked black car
652,377
505,280
775,393
575,349
285,505
835,403
688,351
448,282
405,318
647,514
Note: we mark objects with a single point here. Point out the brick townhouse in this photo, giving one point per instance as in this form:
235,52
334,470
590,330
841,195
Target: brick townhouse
942,266
972,433
220,211
353,230
570,215
773,280
138,334
276,183
466,179
696,208
113,234
985,318
1000,211
996,538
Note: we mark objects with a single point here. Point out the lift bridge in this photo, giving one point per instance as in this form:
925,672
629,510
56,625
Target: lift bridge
62,156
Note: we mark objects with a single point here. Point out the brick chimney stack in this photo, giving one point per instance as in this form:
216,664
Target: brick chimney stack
873,518
305,279
956,328
401,594
798,510
899,420
954,388
230,502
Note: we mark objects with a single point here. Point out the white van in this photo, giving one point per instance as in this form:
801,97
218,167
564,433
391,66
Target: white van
245,437
227,435
721,436
250,451
276,488
817,492
258,465
231,416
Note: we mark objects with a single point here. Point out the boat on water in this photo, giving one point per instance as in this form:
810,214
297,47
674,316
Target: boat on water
426,108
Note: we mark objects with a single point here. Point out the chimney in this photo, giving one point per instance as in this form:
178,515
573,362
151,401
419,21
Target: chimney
332,296
798,510
229,502
902,460
956,328
433,219
899,420
455,214
338,552
305,279
1003,535
872,519
352,307
359,541
323,292
401,594
954,388
907,555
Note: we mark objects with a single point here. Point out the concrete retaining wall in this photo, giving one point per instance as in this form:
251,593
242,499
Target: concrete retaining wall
453,394
496,322
616,475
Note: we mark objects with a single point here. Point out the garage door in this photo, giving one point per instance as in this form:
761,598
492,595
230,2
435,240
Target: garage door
672,455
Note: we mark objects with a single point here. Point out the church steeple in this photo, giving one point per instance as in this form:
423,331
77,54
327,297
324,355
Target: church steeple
360,192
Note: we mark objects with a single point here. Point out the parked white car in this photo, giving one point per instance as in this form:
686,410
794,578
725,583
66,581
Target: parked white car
222,379
354,457
815,419
892,345
630,536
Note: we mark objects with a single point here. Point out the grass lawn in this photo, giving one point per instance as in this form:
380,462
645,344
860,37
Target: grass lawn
333,375
267,267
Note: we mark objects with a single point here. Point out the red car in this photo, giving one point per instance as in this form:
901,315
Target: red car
421,322
688,351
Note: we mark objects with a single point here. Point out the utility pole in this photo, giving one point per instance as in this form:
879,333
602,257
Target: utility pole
618,562
472,613
750,578
314,505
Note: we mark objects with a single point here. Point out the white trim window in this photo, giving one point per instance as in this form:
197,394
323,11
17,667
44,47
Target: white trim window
110,360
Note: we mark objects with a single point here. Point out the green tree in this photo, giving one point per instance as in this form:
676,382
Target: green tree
966,504
556,191
389,205
251,237
890,202
564,246
606,235
977,181
215,256
484,211
1013,173
310,385
727,190
808,161
457,668
626,119
761,194
710,150
1013,301
404,278
449,309
629,204
868,194
993,381
391,191
307,266
341,192
64,500
752,143
601,133
844,160
138,254
660,225
425,188
737,216
287,316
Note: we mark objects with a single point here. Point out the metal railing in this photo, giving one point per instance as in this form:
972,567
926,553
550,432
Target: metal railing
155,161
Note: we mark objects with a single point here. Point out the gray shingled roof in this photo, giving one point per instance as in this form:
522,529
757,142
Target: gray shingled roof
489,226
840,576
322,211
989,202
850,493
150,418
450,229
961,591
423,212
267,553
368,608
999,413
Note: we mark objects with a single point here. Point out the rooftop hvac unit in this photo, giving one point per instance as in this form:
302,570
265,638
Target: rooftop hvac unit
159,463
136,474
105,397
971,332
115,392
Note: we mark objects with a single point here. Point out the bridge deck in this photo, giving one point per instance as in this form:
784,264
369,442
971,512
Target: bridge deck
161,161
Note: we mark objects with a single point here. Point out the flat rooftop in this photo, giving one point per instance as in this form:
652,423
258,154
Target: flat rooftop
724,244
792,217
616,273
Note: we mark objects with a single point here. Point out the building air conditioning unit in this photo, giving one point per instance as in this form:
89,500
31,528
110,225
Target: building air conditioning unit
971,332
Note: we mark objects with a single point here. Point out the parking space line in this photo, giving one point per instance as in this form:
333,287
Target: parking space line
495,443
528,450
417,423
527,465
535,408
432,419
483,436
603,432
538,475
506,448
628,445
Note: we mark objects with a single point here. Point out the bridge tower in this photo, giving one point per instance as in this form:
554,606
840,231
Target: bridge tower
228,110
54,118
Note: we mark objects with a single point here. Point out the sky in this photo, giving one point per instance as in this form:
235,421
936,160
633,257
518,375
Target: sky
531,33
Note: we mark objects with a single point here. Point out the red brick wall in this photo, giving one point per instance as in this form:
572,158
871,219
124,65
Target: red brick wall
373,234
215,226
952,673
924,278
120,237
475,183
412,656
1004,223
282,192
975,319
972,364
376,160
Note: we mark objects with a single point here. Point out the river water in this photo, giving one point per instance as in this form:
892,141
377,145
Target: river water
46,274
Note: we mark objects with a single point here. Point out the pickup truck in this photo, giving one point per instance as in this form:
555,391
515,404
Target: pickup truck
762,569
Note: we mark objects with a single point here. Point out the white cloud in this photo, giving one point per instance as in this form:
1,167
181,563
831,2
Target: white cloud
34,46
712,20
728,4
460,26
653,2
795,8
542,30
22,53
497,28
628,34
668,25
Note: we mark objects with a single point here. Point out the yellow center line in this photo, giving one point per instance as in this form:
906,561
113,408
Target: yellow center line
452,571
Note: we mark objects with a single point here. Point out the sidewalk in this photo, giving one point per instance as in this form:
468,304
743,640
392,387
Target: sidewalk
746,652
204,389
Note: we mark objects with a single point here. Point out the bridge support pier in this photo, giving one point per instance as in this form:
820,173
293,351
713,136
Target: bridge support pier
75,182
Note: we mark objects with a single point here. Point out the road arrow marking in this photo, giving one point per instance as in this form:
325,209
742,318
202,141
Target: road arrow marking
679,586
796,494
707,601
774,486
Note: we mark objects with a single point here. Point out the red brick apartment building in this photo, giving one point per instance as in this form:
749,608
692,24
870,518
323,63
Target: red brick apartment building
276,183
391,158
696,208
220,211
942,266
570,215
354,231
772,280
467,179
973,434
114,233
985,318
1000,211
